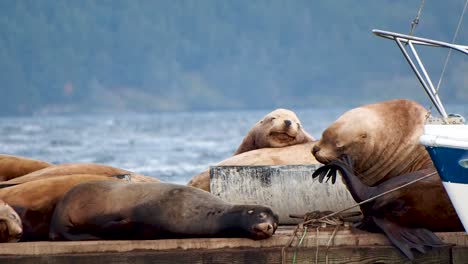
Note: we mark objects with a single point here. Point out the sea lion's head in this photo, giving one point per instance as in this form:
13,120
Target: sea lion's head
352,134
280,128
255,221
382,140
10,224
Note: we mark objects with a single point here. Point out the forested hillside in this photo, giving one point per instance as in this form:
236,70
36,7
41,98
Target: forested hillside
144,55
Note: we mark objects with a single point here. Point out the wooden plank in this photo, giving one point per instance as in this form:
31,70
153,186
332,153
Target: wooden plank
288,189
338,255
375,254
343,238
459,255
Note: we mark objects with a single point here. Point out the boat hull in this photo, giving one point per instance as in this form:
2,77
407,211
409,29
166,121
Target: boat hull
448,147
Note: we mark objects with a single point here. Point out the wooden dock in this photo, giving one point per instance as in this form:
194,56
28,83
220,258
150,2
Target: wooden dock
347,246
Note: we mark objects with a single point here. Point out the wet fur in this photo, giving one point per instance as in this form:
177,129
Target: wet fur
150,211
35,201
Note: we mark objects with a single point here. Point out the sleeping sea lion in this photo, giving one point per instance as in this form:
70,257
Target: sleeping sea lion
10,224
16,166
382,140
35,201
291,155
77,168
279,128
119,210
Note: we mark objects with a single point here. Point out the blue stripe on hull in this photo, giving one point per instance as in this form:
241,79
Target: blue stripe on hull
448,163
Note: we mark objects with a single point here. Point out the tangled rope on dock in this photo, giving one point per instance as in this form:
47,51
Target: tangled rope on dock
316,220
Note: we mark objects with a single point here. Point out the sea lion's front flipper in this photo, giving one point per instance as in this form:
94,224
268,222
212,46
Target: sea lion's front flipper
326,171
358,190
406,239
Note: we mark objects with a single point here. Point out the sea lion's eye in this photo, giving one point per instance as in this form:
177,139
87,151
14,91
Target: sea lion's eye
250,211
12,216
272,118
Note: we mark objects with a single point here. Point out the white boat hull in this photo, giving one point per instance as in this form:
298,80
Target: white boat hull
448,147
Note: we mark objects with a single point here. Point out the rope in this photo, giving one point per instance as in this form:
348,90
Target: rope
450,50
300,243
317,243
415,21
329,242
372,198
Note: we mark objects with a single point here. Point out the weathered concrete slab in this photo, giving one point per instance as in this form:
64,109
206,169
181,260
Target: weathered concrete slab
288,189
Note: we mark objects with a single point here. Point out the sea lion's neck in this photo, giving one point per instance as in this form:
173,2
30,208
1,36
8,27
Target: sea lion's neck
231,222
395,159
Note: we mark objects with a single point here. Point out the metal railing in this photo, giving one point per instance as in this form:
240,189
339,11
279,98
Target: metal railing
403,42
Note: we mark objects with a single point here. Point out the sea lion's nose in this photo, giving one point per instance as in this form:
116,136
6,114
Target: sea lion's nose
315,149
287,123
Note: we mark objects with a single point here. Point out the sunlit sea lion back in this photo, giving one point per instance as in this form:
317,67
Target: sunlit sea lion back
16,166
381,138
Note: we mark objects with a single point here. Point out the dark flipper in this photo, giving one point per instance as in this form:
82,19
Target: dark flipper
328,171
406,239
358,190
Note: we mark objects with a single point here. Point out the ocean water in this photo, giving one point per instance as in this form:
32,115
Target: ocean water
172,147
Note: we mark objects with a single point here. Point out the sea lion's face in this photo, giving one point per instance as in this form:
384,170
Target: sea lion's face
10,224
281,128
349,135
259,221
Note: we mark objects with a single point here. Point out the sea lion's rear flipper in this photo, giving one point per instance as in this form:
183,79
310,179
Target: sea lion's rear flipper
406,239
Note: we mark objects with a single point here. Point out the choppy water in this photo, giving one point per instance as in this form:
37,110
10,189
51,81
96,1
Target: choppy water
170,146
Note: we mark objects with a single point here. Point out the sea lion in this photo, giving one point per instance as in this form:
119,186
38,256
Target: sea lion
16,166
280,128
35,201
291,155
76,168
10,224
382,140
119,210
406,216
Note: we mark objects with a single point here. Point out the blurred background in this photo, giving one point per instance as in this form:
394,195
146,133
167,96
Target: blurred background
85,56
168,88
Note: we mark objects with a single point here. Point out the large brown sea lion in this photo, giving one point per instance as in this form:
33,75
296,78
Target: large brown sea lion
10,224
382,139
119,210
35,201
279,128
78,168
376,148
291,155
15,166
